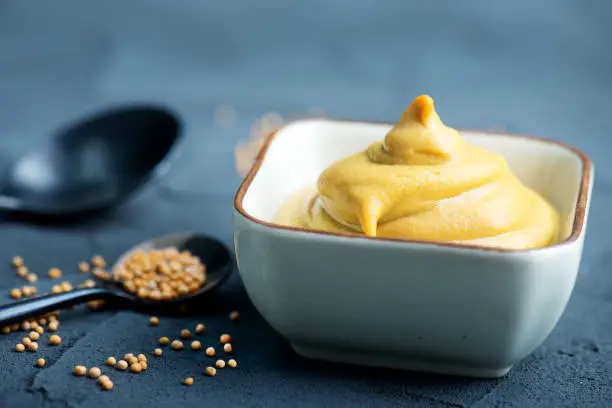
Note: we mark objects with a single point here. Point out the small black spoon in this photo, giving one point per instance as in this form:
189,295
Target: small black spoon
211,252
92,165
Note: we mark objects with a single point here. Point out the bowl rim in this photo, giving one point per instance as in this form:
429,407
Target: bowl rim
580,212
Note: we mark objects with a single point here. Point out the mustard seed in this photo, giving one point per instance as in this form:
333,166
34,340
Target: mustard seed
144,365
6,330
42,321
40,330
122,365
83,267
32,277
111,361
15,293
153,321
14,327
34,336
196,345
19,348
26,291
227,347
25,325
177,345
95,372
107,385
164,341
26,341
89,283
22,271
55,340
225,338
132,360
141,357
210,351
210,371
56,289
185,334
98,261
40,362
80,370
220,363
135,368
55,273
234,315
53,326
33,346
66,286
33,324
17,261
188,381
232,363
128,356
157,352
200,328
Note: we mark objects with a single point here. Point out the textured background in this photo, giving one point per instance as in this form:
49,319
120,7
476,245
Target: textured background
532,67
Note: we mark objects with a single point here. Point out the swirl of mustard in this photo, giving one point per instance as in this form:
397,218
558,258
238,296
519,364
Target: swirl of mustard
424,182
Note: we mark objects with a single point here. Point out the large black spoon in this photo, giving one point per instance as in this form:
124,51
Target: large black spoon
211,252
92,165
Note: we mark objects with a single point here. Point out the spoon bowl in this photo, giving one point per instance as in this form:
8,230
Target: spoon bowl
92,165
212,253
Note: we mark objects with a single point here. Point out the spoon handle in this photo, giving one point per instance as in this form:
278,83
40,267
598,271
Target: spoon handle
36,306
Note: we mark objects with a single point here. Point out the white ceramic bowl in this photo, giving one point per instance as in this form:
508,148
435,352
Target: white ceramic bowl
434,307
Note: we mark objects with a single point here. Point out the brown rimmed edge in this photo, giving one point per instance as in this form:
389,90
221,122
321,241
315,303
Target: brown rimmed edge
579,216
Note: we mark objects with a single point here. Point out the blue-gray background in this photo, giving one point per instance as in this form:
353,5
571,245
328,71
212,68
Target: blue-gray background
536,67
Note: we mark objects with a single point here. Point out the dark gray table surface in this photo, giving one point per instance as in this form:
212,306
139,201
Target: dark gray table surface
540,68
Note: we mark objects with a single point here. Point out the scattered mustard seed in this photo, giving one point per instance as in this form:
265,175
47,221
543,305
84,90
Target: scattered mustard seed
25,325
83,267
210,371
177,345
141,357
55,273
40,362
26,291
227,347
122,365
234,315
34,336
33,324
188,381
80,370
135,368
33,346
220,364
128,356
196,345
185,334
164,341
53,326
157,352
200,328
144,365
107,385
17,261
210,351
132,360
154,321
55,340
22,271
111,361
40,330
19,348
6,330
66,286
32,277
56,289
15,293
95,372
98,261
103,378
232,363
26,341
225,338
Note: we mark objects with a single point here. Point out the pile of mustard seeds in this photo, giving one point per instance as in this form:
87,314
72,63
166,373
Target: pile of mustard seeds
161,274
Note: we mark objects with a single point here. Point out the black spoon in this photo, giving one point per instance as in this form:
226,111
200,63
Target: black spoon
92,165
212,253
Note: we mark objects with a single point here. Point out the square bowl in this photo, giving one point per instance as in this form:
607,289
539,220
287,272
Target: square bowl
425,306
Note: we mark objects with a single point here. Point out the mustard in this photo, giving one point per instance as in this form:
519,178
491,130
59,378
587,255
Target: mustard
424,182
